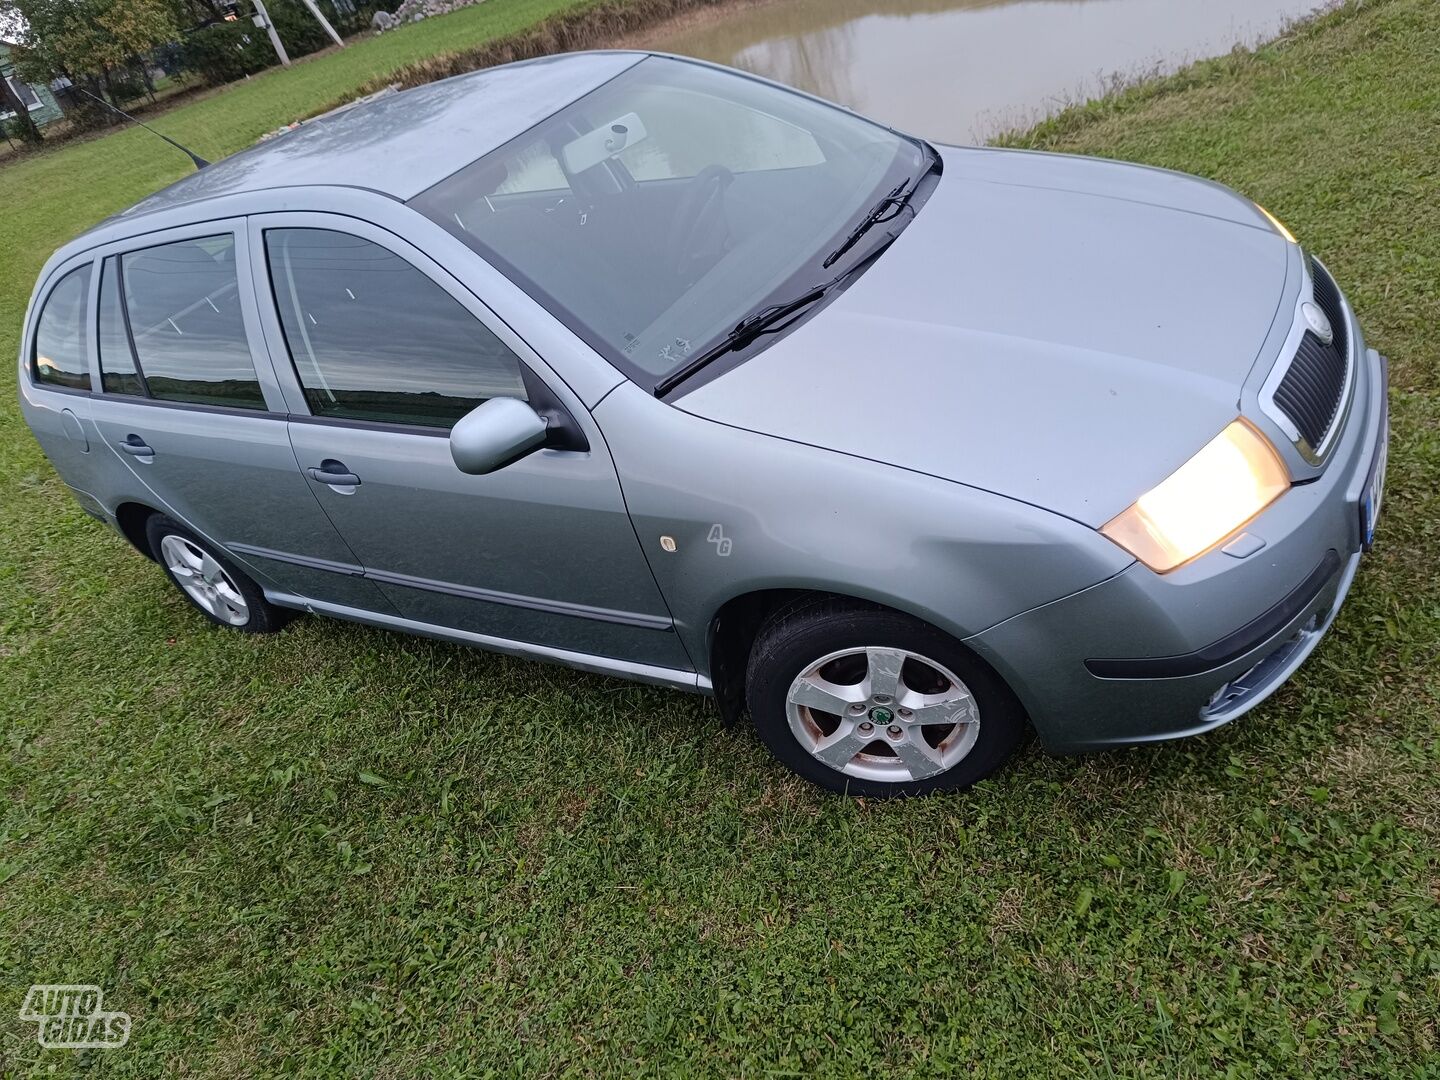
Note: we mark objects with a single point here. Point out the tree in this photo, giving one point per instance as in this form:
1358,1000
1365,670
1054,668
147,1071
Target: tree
88,41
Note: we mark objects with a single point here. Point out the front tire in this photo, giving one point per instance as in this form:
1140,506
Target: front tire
212,583
866,701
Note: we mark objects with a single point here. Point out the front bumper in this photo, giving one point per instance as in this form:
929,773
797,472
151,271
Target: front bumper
1206,643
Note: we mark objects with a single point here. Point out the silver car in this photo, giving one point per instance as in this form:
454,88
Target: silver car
661,370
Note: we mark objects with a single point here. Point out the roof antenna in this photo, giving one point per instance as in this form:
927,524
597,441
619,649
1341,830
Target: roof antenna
199,161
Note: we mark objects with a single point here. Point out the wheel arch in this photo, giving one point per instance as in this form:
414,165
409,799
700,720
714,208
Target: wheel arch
130,519
737,622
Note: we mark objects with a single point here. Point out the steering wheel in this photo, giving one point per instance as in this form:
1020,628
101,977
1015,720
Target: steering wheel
699,232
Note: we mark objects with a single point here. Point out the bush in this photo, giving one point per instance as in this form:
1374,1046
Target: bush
85,113
170,58
223,52
355,16
126,85
298,29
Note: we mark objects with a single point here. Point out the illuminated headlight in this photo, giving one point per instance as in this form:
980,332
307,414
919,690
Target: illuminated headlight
1227,483
1279,225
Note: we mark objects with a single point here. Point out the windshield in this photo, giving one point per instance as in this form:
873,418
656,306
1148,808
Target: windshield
656,212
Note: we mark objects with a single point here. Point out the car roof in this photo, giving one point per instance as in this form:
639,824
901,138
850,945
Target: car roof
400,144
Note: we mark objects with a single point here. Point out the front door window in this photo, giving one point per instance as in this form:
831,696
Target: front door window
372,338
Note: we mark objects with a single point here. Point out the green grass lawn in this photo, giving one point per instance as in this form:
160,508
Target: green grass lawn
98,177
338,849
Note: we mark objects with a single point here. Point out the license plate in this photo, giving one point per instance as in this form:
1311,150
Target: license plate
1374,492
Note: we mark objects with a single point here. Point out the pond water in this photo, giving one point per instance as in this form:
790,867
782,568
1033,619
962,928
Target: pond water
965,70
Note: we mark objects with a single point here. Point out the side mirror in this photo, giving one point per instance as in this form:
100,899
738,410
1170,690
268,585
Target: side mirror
495,433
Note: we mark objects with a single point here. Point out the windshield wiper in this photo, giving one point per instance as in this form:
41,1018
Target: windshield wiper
776,317
887,209
767,320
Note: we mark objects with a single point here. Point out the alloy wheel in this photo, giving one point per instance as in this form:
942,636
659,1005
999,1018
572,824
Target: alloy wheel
204,580
884,714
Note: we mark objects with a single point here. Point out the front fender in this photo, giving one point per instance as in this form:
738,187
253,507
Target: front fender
721,512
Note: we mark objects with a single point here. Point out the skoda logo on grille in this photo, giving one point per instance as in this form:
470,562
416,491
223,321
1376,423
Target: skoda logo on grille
1318,322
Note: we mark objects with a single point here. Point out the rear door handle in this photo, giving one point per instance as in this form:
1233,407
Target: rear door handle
134,444
334,473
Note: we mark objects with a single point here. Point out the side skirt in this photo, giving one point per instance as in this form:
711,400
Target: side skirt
601,665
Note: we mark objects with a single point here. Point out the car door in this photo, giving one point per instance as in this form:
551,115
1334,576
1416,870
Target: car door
387,351
187,403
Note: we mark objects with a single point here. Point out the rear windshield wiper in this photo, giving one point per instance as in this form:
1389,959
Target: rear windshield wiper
887,209
767,320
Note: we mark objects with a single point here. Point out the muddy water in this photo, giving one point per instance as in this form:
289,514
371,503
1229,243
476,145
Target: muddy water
964,70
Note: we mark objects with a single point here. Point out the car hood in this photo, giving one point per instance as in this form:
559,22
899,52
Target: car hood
1063,331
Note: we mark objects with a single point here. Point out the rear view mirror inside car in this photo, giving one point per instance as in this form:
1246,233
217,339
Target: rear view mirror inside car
603,143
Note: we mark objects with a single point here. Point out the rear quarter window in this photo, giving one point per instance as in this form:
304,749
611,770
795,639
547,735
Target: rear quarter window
60,357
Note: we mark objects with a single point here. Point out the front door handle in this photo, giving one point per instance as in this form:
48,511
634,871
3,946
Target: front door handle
134,444
334,473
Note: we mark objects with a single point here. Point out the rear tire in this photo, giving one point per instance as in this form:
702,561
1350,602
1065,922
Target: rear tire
214,585
867,701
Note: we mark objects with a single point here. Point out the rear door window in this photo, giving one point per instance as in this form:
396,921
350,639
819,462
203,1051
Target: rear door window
60,357
183,301
373,338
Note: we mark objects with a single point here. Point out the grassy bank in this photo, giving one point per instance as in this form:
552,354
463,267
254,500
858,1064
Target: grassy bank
339,849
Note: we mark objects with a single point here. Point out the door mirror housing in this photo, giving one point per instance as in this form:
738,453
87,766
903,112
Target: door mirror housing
495,433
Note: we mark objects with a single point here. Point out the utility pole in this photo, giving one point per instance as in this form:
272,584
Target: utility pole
262,19
314,10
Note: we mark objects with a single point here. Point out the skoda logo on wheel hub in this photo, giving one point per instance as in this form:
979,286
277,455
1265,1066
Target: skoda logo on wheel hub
881,715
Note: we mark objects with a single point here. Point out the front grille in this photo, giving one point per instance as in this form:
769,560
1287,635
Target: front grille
1309,394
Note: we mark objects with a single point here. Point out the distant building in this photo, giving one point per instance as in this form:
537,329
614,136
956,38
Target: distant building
38,99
